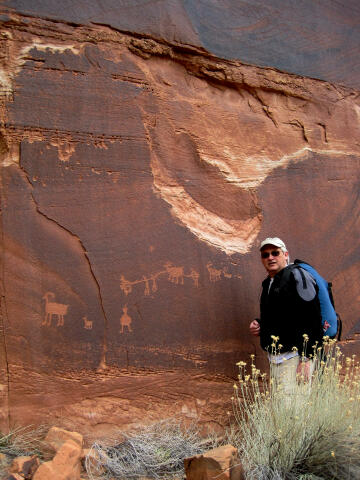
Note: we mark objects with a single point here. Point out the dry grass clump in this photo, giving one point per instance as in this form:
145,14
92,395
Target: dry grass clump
313,434
156,451
23,441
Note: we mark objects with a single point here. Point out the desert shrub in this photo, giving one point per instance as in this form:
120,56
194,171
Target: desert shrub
156,451
313,434
20,441
23,441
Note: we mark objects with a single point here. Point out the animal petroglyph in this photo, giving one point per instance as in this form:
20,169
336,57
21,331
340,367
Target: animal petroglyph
126,285
174,275
125,320
53,308
215,273
88,324
195,277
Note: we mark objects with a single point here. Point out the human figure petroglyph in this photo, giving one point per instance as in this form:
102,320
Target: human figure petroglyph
88,324
214,273
154,286
176,274
147,286
53,308
125,320
195,276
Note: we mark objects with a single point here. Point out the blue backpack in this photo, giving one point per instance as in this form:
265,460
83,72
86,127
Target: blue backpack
331,321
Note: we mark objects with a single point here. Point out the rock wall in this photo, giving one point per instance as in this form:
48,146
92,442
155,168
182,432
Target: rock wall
139,176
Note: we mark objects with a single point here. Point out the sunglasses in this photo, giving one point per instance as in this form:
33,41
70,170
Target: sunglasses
274,253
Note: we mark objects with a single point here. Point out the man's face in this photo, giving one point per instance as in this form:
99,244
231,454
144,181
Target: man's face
274,261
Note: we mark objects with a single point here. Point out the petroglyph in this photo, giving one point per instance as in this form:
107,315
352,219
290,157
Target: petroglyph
53,308
15,58
147,287
215,273
88,324
65,149
195,277
125,320
174,275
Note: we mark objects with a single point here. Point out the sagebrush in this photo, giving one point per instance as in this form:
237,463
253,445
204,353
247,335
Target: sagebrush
313,434
156,451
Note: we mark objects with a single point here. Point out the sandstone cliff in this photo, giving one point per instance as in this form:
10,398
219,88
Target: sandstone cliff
139,174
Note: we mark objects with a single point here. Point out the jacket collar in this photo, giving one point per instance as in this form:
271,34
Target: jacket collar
276,277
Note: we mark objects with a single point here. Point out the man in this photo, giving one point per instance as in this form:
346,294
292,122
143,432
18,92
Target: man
290,319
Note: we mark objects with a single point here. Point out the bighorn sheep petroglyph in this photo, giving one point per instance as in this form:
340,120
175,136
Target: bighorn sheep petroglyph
176,274
52,308
88,324
214,273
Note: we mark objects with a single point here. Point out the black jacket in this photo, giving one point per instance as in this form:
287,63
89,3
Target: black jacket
284,314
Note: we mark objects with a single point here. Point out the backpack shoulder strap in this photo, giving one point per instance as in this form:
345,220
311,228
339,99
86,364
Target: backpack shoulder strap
305,283
339,330
286,273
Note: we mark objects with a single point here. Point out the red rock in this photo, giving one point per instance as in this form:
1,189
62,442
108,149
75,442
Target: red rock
222,463
25,466
138,178
256,34
56,437
64,466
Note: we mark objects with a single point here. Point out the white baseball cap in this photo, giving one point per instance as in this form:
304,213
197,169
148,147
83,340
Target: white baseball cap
277,242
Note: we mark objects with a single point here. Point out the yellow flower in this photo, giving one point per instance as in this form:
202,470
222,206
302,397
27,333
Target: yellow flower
241,364
332,453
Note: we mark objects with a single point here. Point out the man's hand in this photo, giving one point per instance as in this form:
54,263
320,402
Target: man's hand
255,328
303,370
